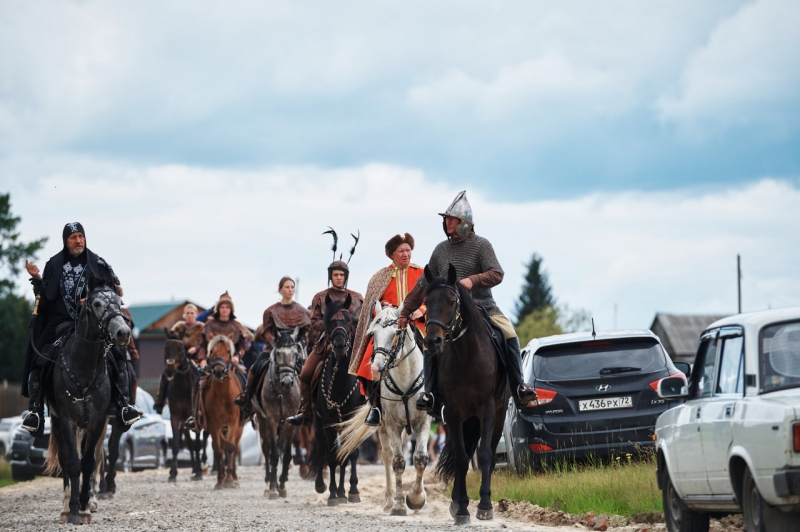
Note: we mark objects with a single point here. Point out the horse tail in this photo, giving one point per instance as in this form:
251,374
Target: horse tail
353,432
446,465
52,466
316,462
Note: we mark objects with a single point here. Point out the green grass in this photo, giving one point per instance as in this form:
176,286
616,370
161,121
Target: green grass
624,487
5,473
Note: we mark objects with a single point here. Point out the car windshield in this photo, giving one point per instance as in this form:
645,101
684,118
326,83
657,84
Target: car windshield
780,356
598,359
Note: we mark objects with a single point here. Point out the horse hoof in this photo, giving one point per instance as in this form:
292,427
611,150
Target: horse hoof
353,497
461,520
199,476
343,499
398,511
415,506
73,519
105,495
273,495
172,480
282,493
484,515
92,506
320,488
231,484
333,502
218,486
86,518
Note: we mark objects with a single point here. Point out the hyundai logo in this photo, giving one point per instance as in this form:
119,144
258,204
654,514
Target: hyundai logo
603,388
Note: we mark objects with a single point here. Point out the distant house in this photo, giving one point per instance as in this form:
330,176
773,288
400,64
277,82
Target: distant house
150,322
680,333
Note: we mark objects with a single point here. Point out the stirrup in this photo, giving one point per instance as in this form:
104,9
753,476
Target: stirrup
374,417
129,415
241,400
296,419
189,423
32,422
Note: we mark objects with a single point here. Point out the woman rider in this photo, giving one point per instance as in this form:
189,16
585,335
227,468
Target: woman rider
222,322
389,285
285,315
190,332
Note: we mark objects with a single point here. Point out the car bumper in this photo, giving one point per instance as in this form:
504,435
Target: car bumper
603,451
787,483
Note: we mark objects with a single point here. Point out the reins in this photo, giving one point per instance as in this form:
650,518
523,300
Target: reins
456,321
393,362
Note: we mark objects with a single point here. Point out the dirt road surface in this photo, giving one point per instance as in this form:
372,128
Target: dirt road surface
145,501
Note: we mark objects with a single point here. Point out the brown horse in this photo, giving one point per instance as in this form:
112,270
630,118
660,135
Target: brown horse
303,442
222,416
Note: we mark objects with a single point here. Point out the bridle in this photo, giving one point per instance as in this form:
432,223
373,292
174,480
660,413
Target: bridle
219,361
112,310
340,330
455,329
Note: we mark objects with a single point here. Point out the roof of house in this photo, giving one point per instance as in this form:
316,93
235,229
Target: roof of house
681,332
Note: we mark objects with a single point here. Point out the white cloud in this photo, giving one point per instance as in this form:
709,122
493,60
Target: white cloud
193,233
746,73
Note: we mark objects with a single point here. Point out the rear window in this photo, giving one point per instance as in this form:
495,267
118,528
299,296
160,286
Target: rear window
780,356
598,359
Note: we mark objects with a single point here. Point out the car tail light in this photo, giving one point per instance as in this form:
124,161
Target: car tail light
543,397
540,447
654,385
796,432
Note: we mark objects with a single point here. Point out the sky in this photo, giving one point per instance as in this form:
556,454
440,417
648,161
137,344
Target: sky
638,147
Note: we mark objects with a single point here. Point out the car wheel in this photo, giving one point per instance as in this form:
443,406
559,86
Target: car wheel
678,517
126,460
755,510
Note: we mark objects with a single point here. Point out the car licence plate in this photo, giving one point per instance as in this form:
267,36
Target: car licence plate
605,403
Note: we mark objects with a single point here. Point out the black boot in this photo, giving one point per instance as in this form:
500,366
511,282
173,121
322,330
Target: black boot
304,412
161,398
375,414
126,412
523,392
427,400
34,419
256,370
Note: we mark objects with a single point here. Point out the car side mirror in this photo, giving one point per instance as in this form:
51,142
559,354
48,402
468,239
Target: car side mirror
684,367
673,387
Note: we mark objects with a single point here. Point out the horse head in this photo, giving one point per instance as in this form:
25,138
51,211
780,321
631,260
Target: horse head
385,335
105,312
338,325
174,354
286,352
443,302
220,355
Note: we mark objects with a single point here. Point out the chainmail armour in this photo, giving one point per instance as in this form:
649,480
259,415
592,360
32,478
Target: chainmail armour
471,257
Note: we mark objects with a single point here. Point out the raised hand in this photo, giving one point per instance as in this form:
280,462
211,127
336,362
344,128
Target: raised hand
33,270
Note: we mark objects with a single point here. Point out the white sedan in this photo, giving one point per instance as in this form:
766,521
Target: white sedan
734,445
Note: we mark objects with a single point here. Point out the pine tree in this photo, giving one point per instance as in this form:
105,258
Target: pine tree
536,292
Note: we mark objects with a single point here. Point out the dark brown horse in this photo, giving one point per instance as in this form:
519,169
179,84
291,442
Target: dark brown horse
336,399
279,395
472,384
222,416
181,373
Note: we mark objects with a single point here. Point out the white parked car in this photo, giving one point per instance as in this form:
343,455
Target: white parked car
7,427
734,444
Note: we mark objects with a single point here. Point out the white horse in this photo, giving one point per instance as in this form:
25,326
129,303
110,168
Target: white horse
399,360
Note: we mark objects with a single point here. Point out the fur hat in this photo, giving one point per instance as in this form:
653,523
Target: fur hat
396,240
224,298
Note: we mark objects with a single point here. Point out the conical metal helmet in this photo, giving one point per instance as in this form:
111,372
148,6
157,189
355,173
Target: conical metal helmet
460,209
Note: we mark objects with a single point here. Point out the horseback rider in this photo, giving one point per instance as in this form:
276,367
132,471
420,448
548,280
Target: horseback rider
223,322
60,291
389,285
478,270
338,274
285,315
190,331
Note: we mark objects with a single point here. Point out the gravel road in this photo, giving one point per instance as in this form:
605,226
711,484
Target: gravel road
146,501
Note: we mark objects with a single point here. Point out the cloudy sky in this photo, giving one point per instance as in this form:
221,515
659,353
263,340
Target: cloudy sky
636,146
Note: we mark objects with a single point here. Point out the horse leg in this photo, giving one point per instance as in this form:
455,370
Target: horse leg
113,456
216,445
342,471
458,508
197,445
386,457
273,467
287,461
175,445
70,464
485,462
395,449
416,499
230,465
353,495
90,438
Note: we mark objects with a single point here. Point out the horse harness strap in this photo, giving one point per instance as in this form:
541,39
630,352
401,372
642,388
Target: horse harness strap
416,386
84,393
327,394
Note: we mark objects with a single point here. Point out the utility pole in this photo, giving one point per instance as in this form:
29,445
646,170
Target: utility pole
739,280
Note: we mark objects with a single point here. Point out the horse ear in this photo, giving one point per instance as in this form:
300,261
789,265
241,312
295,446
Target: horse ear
231,335
295,333
451,274
347,301
428,274
93,282
374,310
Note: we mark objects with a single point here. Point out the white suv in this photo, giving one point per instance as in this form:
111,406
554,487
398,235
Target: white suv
734,445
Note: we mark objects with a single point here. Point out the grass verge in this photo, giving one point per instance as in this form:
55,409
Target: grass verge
5,473
624,487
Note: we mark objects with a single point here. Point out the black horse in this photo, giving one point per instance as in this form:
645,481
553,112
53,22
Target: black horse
337,398
181,373
80,395
472,384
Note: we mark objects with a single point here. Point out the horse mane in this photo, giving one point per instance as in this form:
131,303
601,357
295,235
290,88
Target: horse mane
469,309
221,338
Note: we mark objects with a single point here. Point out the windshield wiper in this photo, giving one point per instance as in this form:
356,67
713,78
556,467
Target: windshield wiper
618,369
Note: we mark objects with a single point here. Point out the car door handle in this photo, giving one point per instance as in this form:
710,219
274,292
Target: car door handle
728,410
697,413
